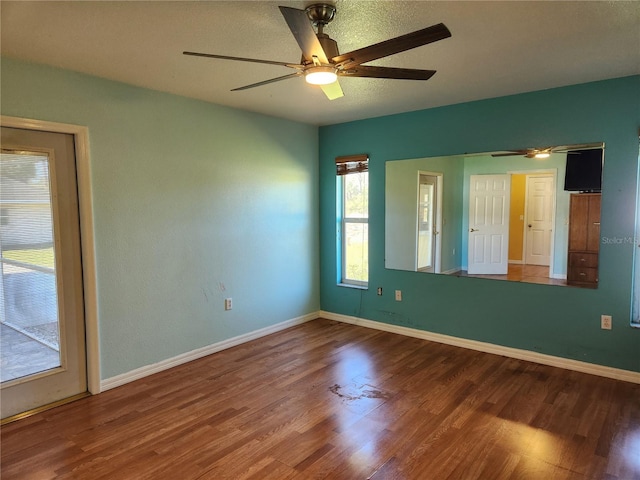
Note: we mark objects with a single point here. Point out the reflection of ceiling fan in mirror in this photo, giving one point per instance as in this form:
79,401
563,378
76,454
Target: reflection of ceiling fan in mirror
321,62
545,152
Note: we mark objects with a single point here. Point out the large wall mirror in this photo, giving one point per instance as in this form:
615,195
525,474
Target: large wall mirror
527,215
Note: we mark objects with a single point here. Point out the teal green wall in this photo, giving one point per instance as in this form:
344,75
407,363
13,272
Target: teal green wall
558,321
195,202
192,203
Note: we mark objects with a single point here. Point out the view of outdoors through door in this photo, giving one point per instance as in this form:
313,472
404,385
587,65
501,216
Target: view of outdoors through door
28,293
43,350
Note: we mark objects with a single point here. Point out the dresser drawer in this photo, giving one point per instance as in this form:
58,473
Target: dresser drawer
579,259
582,275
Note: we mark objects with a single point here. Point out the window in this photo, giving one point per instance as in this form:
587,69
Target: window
353,215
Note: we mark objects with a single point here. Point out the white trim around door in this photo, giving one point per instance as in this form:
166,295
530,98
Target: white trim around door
83,166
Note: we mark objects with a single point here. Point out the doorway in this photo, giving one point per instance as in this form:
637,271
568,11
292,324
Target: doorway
531,222
539,217
511,223
42,302
489,206
428,245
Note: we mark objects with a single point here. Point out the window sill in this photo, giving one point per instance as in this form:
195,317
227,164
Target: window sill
357,287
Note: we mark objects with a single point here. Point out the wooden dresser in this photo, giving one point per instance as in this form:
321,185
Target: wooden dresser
584,239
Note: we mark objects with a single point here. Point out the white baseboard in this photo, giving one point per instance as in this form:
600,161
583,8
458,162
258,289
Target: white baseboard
568,364
147,370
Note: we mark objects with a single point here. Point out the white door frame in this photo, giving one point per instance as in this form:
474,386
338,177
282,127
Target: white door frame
83,166
437,262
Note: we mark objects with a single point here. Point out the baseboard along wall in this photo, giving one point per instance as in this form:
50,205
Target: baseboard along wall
568,364
147,370
551,360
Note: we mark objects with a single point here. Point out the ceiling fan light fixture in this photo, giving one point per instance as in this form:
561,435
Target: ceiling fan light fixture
541,155
321,75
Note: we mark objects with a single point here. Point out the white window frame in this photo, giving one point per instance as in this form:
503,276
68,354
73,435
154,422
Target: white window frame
349,165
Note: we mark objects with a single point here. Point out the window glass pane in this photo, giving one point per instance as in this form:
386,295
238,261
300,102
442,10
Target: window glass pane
28,292
356,246
356,195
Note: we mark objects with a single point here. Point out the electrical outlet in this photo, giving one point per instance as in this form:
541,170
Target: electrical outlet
605,322
228,304
398,295
379,290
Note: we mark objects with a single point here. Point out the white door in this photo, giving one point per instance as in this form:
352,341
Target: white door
489,224
41,293
539,219
427,209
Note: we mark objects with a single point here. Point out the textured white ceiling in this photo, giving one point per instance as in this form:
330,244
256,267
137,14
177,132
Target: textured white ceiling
496,49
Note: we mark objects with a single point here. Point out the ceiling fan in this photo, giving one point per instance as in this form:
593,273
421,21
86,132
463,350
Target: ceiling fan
322,63
547,151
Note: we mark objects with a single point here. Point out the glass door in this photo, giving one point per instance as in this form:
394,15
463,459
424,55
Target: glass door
41,313
28,291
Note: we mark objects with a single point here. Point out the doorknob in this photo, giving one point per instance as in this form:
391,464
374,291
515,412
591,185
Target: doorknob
529,225
474,230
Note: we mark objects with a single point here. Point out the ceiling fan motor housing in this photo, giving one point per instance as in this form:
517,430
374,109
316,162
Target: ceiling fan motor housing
329,45
320,14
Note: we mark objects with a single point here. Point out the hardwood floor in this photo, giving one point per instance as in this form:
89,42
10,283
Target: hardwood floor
521,273
335,401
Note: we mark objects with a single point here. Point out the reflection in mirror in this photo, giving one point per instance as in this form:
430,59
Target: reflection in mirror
525,215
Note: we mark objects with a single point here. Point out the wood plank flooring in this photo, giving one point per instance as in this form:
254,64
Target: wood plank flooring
326,400
521,273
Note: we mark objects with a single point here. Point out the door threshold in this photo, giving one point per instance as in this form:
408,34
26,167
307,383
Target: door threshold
43,408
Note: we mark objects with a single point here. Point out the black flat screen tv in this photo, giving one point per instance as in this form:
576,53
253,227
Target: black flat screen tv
584,170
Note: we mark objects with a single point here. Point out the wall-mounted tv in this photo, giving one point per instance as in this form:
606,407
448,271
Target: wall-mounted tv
584,170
